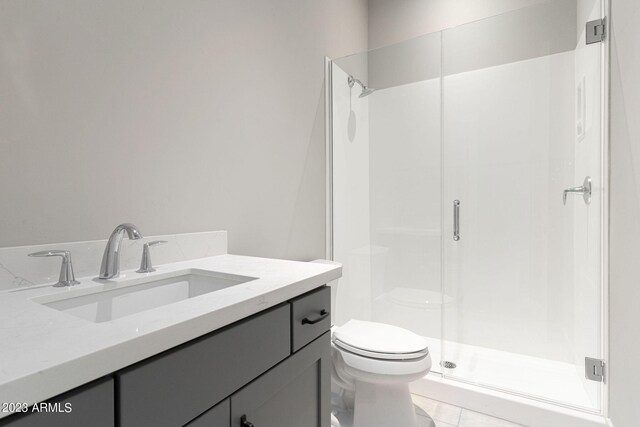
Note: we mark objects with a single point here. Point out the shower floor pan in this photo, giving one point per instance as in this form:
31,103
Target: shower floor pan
508,385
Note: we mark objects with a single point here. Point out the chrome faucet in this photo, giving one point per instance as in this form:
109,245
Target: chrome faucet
110,267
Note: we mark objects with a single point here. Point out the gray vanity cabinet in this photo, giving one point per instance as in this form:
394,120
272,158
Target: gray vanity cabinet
296,393
271,369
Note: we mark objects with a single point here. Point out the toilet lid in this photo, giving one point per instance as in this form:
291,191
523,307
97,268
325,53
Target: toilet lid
379,340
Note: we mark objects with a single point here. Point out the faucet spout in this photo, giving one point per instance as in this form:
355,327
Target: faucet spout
110,267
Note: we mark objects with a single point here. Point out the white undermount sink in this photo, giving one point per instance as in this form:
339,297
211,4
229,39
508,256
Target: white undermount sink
137,295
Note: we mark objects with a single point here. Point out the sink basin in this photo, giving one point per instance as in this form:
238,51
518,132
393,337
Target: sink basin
142,295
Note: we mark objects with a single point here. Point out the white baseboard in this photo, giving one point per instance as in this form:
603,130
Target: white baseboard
502,405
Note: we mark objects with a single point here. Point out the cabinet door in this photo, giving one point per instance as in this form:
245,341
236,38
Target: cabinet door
90,405
296,393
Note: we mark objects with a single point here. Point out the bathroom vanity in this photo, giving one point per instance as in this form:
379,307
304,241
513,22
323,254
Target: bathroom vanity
264,359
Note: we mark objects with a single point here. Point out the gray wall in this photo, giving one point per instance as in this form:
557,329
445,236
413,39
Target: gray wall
624,380
494,40
398,20
177,116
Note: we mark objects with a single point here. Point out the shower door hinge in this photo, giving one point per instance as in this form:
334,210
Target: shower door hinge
594,369
596,30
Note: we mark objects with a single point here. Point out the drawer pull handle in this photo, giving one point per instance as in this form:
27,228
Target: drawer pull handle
322,316
244,422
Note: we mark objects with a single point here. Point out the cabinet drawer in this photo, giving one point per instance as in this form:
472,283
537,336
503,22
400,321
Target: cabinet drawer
175,387
310,317
91,405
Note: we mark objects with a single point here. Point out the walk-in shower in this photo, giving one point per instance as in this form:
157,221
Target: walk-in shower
447,198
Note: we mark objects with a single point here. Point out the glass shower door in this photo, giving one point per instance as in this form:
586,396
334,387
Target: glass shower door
386,180
521,123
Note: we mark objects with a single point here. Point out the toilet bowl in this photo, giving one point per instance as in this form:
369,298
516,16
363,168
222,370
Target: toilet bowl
373,364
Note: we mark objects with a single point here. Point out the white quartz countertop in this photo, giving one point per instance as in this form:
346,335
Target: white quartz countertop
45,352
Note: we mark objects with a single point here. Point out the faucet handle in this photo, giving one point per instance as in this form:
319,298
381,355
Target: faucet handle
584,189
145,264
67,277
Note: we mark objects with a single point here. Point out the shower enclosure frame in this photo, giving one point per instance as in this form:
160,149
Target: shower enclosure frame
498,402
605,165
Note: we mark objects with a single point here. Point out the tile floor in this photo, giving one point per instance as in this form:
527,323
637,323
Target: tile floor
445,415
441,415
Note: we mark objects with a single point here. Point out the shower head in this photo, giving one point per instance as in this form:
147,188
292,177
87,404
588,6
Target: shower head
366,91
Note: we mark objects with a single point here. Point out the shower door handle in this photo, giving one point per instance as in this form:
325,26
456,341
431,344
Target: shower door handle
456,220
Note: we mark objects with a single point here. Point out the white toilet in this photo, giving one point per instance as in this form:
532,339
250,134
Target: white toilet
374,364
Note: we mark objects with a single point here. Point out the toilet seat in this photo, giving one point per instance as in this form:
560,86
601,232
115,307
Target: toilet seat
380,356
379,341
